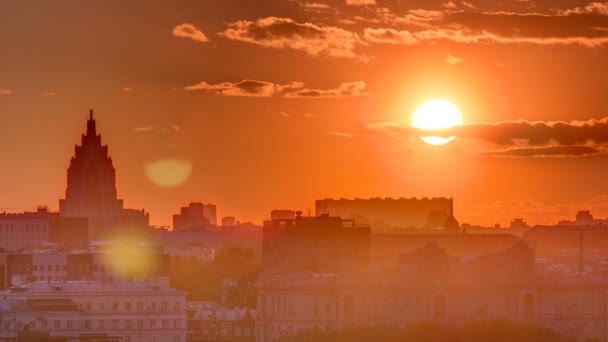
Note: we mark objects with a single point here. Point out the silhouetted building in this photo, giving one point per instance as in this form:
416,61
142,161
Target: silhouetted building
389,213
320,244
91,191
228,221
195,216
282,215
451,223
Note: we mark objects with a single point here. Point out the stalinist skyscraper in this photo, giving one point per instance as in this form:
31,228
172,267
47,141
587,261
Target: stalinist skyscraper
91,191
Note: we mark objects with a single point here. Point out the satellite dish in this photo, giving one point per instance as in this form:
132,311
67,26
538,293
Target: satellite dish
17,280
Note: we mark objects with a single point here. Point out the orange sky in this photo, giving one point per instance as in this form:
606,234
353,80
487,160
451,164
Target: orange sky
332,89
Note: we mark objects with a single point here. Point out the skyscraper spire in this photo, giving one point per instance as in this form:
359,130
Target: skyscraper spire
91,130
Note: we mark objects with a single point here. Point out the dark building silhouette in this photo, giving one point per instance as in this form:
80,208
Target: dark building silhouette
91,190
196,216
320,244
390,213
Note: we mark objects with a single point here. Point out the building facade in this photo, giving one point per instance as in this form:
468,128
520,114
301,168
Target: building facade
131,311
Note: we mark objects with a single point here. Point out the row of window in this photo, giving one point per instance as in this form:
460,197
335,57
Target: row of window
94,324
139,306
10,227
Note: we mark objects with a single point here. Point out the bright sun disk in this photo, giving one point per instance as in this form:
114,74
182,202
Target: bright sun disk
434,115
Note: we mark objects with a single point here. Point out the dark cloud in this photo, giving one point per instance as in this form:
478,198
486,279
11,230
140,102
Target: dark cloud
537,133
547,151
519,138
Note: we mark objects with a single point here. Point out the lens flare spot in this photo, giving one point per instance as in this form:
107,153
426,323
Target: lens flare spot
168,173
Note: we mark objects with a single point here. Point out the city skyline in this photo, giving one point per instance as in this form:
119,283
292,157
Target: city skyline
299,121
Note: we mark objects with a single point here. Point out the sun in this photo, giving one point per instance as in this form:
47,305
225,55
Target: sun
436,114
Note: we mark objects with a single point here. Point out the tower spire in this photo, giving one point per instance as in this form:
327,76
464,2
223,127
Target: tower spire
91,130
90,114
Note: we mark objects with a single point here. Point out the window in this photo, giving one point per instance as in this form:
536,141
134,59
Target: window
128,306
349,307
164,306
70,324
128,323
140,324
88,324
115,306
101,324
165,323
115,324
152,306
152,323
176,323
49,268
176,306
140,306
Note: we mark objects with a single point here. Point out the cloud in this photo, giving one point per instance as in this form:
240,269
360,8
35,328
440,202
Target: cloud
147,129
6,91
453,60
244,88
48,93
516,133
144,129
315,6
285,33
466,36
347,89
127,89
267,89
340,134
189,31
468,5
600,8
360,2
414,17
546,151
580,26
449,5
389,36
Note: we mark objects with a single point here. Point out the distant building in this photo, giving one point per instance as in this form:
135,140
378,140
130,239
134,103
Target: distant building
196,216
22,268
228,221
91,191
282,215
321,244
29,230
389,213
79,309
222,324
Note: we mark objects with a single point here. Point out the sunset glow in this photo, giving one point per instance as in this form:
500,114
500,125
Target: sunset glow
436,115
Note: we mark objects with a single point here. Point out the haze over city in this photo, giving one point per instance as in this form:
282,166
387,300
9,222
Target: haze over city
303,171
278,103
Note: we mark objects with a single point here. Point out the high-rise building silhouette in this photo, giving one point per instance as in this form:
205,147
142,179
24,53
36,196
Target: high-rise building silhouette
91,190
